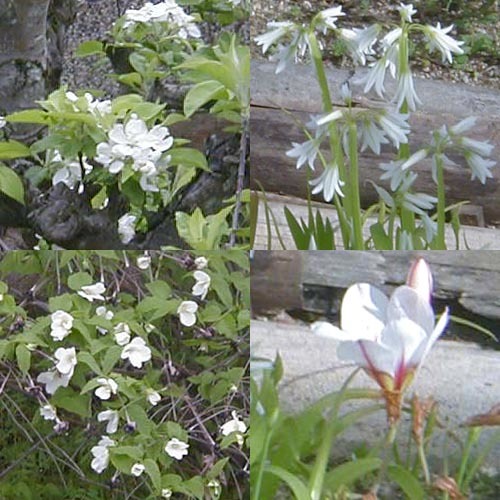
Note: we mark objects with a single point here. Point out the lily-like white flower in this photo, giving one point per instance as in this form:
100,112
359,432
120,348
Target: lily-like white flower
405,91
66,360
93,292
137,352
479,166
328,17
48,412
126,228
328,182
438,39
106,388
201,263
395,125
200,288
110,416
187,312
176,448
143,262
360,41
137,469
153,397
234,425
277,30
61,324
406,12
122,334
101,454
306,151
104,313
388,338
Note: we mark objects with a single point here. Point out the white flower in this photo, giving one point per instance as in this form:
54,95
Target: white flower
395,125
463,126
61,325
406,12
414,158
107,387
48,412
71,96
234,425
479,166
215,487
388,338
187,312
479,147
200,288
304,152
166,493
137,469
330,117
153,397
101,454
137,352
371,136
104,313
126,228
277,31
176,448
359,42
112,417
328,17
143,261
93,292
438,39
201,263
53,380
406,91
70,175
122,334
3,122
66,360
328,182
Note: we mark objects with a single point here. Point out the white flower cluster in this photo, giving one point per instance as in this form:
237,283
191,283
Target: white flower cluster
69,172
126,228
61,373
95,106
62,323
167,11
101,454
133,143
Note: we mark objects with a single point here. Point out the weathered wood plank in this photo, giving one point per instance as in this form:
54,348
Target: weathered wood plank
474,238
273,130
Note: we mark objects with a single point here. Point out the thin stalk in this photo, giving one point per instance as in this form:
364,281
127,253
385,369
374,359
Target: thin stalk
389,441
423,462
261,467
472,437
441,205
355,200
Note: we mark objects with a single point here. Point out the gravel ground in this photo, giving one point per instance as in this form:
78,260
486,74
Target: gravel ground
481,69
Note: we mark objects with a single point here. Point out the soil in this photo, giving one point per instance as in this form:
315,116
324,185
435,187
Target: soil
476,22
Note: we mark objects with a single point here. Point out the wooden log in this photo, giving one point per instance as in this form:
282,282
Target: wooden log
469,279
474,238
296,90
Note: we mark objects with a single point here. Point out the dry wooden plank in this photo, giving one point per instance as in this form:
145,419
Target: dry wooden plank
474,238
273,130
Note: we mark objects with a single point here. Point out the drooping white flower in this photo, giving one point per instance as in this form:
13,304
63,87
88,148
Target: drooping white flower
153,397
137,469
463,125
93,292
61,324
406,12
371,136
137,352
187,312
328,182
277,30
414,159
234,425
53,380
480,148
126,228
328,17
395,125
66,360
176,449
110,416
101,454
104,313
405,91
360,42
143,261
200,288
388,338
480,167
48,412
438,39
107,387
201,263
122,334
305,152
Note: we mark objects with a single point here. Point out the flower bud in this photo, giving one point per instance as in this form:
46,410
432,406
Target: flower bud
420,279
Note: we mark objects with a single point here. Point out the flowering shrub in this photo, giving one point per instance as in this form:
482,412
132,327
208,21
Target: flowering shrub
406,219
138,388
120,152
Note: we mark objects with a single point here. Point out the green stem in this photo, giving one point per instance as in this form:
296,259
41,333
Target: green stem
423,462
389,441
261,467
472,437
355,200
441,205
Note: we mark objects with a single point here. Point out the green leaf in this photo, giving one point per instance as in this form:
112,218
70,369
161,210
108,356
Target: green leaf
153,472
380,237
407,482
298,488
300,236
140,417
77,280
195,486
89,48
61,302
200,94
161,289
111,358
188,157
88,359
29,116
23,356
72,401
347,473
11,184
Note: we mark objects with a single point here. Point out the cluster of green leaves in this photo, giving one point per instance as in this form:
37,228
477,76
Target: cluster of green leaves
199,371
290,454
